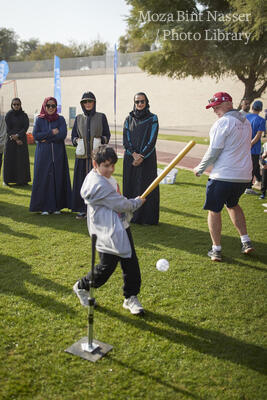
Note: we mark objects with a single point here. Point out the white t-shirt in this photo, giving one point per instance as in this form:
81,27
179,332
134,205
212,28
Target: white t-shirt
234,137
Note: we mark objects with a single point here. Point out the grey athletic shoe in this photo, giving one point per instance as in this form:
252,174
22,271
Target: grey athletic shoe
81,215
215,255
82,295
247,247
133,305
250,191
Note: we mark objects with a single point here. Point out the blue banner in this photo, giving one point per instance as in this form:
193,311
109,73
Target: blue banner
3,71
115,77
57,85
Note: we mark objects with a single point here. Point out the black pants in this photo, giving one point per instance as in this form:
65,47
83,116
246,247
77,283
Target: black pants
264,181
255,169
1,156
106,267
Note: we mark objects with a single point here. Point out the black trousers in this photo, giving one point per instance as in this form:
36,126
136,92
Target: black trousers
1,156
264,181
255,169
106,267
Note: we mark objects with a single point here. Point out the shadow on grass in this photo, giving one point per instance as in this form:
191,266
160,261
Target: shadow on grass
15,191
191,240
155,379
184,214
14,274
180,183
5,229
204,341
195,241
61,222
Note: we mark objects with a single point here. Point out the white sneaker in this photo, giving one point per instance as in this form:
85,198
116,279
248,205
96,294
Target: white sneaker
45,213
82,295
257,185
133,304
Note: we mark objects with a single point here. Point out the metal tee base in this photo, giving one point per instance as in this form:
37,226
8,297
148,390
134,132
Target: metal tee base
90,353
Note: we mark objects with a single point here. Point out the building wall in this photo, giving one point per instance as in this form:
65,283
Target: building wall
179,104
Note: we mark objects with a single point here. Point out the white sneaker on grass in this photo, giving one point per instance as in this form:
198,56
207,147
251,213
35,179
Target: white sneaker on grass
257,185
133,305
82,294
45,213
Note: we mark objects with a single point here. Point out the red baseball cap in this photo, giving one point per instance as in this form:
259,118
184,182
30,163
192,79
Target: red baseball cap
219,98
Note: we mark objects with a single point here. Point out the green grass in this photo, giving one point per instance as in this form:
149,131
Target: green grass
179,138
204,331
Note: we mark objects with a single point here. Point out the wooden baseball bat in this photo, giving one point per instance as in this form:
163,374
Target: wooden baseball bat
168,168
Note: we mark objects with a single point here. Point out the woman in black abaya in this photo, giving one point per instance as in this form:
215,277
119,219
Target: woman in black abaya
90,126
140,161
16,159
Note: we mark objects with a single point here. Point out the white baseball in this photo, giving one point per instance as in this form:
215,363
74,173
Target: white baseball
162,265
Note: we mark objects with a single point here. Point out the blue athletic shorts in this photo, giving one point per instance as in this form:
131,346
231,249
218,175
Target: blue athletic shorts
220,193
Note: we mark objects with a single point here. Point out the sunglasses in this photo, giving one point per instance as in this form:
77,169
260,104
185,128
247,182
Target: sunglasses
140,101
16,104
218,98
87,101
51,106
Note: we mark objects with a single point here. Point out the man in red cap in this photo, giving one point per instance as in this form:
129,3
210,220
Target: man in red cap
229,153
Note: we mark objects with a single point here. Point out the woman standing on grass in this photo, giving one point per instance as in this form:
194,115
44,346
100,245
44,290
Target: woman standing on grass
140,134
92,129
51,189
16,159
2,138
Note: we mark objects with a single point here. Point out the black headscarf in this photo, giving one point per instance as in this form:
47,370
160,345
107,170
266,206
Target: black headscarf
18,110
141,114
88,96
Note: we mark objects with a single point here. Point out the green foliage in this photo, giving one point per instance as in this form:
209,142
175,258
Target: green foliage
13,49
203,334
132,45
98,48
257,23
48,50
8,44
192,47
95,48
27,47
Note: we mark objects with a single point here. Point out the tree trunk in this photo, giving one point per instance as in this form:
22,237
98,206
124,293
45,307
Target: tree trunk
251,92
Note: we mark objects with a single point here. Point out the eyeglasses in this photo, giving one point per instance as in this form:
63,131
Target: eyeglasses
16,104
51,106
87,101
140,101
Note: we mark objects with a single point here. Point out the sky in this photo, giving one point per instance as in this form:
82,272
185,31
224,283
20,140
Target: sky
66,20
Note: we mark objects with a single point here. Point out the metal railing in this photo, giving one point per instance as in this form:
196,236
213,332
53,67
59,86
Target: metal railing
104,62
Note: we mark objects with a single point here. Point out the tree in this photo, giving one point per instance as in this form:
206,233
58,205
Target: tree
48,50
8,44
94,48
26,47
208,37
98,48
130,45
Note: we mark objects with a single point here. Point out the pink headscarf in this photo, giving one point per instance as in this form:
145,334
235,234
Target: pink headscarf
44,114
